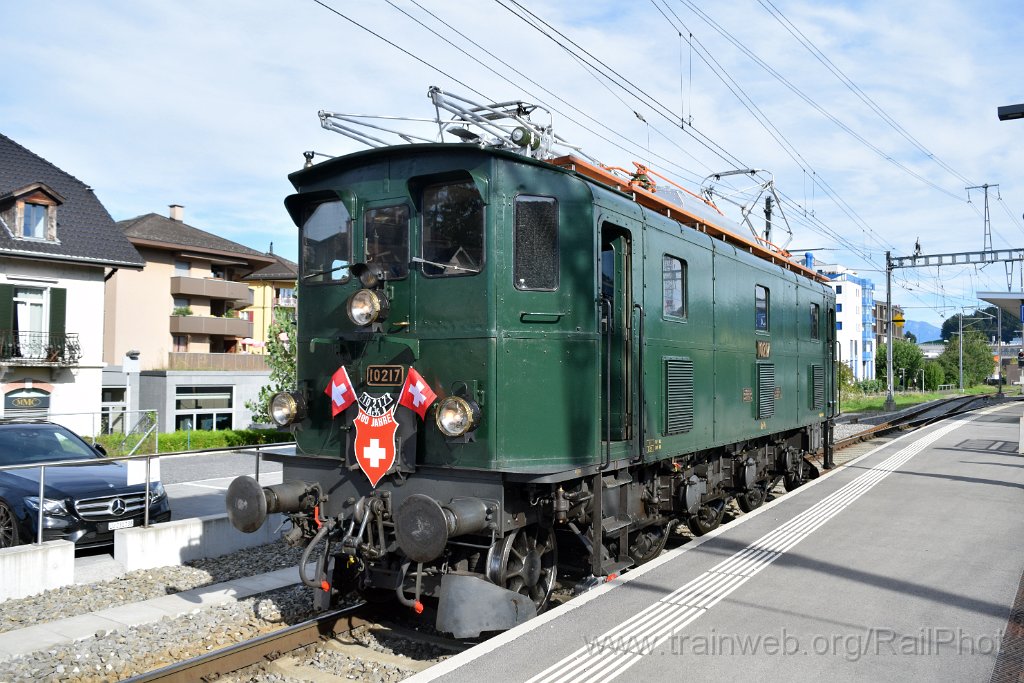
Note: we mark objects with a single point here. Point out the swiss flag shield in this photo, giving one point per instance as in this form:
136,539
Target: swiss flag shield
416,393
340,391
375,443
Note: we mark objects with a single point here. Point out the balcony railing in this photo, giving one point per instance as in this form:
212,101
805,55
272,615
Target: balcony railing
288,301
39,348
212,288
200,324
234,362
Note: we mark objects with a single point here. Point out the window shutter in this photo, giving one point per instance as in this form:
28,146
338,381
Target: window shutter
6,307
58,309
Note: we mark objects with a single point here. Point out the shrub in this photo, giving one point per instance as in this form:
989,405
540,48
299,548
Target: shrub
195,440
872,386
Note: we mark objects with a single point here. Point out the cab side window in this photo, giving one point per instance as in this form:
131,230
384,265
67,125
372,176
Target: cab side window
535,248
761,302
673,287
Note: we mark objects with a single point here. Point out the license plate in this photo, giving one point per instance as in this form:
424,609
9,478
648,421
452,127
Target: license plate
123,524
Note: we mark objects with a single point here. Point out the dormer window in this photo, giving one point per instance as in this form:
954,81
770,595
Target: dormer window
31,212
34,221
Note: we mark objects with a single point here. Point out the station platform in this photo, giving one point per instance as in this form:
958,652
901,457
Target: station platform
903,564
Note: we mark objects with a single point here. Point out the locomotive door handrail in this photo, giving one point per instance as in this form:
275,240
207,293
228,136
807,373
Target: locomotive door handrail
641,412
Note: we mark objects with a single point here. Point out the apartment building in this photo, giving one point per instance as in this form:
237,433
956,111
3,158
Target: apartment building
177,323
273,295
855,318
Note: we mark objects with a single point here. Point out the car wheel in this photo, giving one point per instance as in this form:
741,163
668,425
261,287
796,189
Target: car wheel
8,527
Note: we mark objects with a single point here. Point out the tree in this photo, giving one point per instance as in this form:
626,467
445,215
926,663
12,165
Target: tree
907,360
985,321
978,360
845,377
934,375
910,337
281,359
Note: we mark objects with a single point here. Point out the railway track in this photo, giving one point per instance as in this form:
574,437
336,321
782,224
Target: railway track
921,416
336,631
344,633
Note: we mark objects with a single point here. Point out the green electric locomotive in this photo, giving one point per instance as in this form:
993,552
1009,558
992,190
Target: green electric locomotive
515,367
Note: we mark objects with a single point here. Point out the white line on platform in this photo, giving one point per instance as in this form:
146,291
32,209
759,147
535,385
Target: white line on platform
684,614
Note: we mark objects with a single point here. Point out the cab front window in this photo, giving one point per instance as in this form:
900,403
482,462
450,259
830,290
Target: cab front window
386,231
326,243
453,229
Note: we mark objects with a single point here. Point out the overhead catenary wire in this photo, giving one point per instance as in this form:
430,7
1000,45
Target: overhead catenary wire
600,70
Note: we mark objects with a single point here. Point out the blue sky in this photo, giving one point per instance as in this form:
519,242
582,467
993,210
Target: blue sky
210,104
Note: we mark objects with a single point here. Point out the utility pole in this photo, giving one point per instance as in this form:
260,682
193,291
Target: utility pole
988,224
961,317
890,402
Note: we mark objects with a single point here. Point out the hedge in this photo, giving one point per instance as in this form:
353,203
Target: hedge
194,440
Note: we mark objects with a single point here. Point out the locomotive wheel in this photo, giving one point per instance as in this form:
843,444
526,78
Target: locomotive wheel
8,527
526,562
807,472
706,519
648,543
752,499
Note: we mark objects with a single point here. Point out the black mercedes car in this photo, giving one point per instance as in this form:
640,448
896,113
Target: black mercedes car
84,504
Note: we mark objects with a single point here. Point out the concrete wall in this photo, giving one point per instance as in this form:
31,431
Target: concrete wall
138,310
176,542
31,569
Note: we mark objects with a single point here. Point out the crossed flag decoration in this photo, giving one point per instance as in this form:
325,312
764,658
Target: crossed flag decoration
375,434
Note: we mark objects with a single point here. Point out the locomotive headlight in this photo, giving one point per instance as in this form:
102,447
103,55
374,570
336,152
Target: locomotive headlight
368,306
456,416
286,408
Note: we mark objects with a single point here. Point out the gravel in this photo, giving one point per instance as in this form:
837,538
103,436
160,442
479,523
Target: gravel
116,656
143,584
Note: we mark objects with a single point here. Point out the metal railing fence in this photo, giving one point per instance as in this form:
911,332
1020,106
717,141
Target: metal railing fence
257,450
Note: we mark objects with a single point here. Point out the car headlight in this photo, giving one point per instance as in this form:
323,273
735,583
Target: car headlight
287,407
456,416
368,306
156,492
50,506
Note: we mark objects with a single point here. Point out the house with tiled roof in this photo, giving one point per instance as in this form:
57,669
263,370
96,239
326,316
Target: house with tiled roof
58,245
181,317
273,289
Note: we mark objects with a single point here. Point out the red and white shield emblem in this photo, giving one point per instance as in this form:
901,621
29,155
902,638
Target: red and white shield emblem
375,443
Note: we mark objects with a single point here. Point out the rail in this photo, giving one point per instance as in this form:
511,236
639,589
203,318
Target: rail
240,655
256,449
919,416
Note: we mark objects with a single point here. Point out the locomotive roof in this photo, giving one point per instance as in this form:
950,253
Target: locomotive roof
586,171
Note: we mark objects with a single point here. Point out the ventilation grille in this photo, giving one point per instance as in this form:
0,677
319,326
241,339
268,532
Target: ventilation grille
678,395
765,390
817,387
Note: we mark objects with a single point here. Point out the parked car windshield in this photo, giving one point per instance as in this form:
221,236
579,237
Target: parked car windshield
28,444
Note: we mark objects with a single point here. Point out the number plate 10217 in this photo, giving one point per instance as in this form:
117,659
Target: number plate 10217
385,375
